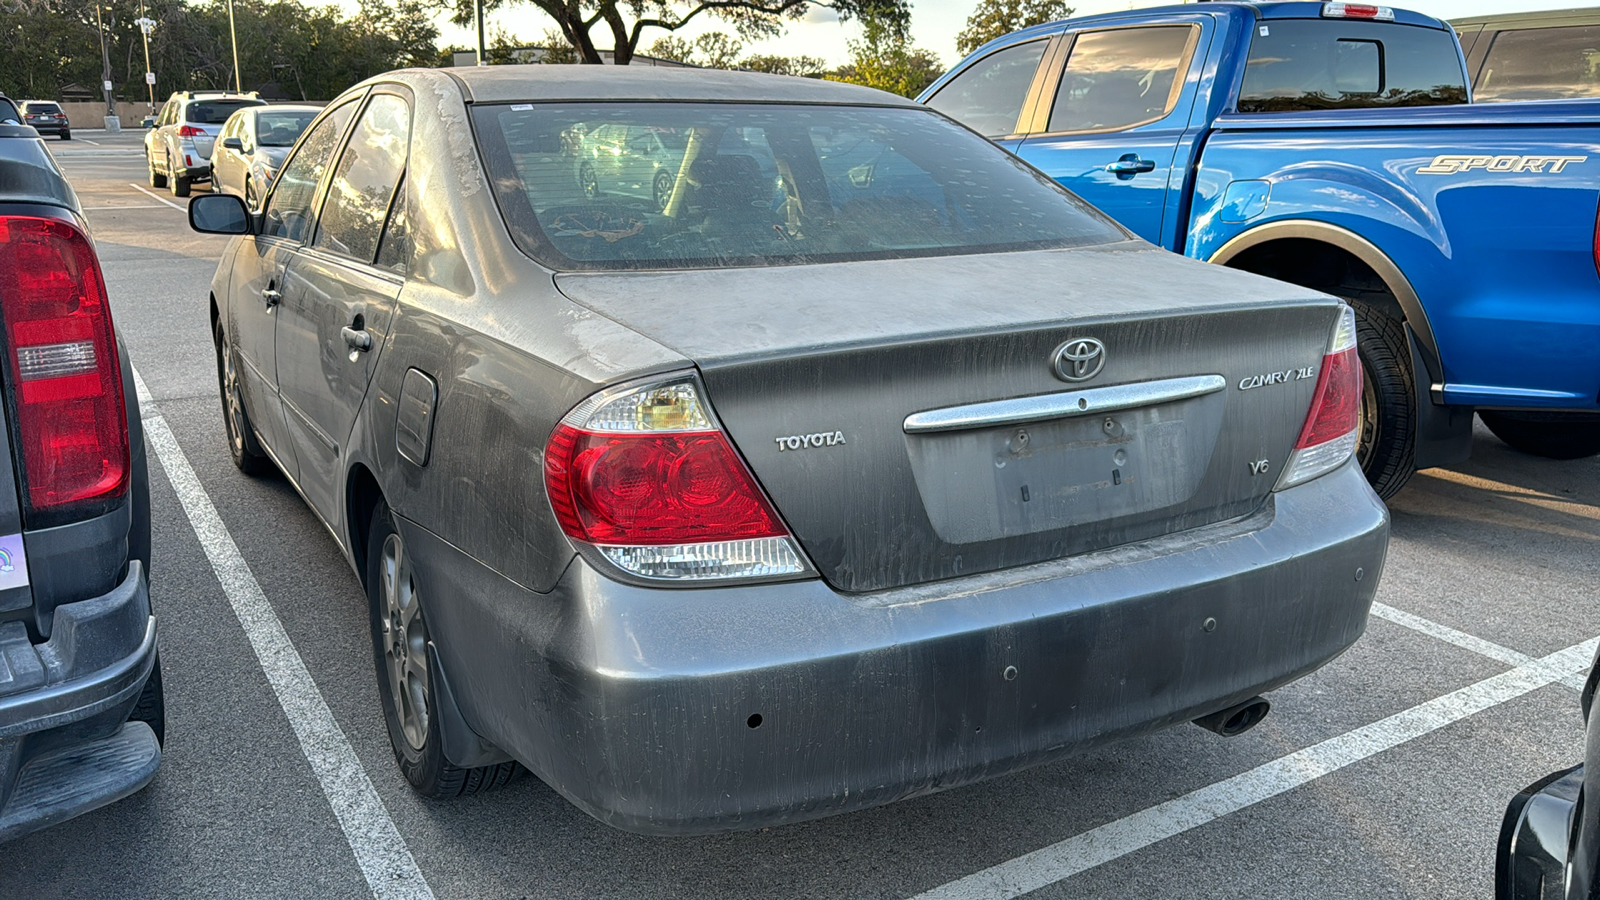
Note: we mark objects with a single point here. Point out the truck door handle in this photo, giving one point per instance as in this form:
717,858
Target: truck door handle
272,297
356,339
1130,165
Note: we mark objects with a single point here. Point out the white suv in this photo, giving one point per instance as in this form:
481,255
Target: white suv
177,148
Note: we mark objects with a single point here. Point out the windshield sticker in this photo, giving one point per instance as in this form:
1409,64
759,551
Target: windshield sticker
1459,165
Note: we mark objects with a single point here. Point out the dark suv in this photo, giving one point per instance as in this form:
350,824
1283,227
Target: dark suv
46,117
81,708
1532,56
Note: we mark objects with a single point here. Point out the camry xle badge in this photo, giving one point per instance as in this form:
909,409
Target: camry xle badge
1452,164
1079,359
1251,382
807,441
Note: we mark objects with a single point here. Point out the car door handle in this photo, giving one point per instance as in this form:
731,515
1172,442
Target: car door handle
356,339
1130,165
272,297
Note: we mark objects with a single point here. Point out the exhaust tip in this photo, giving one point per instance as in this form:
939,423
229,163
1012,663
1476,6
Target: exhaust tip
1236,719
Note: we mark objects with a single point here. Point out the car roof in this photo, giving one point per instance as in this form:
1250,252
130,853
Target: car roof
501,84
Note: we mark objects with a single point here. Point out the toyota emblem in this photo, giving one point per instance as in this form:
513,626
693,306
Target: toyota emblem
1080,359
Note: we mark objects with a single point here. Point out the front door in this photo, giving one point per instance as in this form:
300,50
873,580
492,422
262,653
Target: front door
330,333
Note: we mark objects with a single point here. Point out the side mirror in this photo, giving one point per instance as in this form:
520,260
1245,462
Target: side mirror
233,143
148,121
220,214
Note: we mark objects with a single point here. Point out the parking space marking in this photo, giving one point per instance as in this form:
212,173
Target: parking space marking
1463,640
381,853
158,198
128,206
87,141
1114,840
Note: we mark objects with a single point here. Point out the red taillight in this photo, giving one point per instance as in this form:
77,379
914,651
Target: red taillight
1336,407
189,131
644,489
65,375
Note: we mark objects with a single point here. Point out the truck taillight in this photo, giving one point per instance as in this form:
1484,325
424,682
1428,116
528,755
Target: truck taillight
646,476
62,365
1357,11
189,131
1333,424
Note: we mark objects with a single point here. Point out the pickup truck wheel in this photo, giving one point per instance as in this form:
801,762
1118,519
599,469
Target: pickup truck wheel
1388,444
243,445
1551,435
157,179
151,707
405,687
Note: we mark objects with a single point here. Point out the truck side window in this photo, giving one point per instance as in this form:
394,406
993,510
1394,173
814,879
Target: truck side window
988,96
1310,64
1542,63
1121,78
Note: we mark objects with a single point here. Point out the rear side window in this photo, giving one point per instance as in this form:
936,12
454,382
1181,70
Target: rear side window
364,183
1542,63
1307,64
1122,78
988,96
215,112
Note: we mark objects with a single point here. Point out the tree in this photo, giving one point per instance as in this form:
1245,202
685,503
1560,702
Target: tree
716,50
884,59
672,48
800,66
626,20
995,18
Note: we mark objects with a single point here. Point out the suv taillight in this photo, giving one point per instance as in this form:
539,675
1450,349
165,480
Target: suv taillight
1333,425
62,365
189,131
647,477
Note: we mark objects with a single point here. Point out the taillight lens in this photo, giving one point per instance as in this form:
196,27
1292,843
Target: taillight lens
1333,425
66,379
645,475
1357,11
189,131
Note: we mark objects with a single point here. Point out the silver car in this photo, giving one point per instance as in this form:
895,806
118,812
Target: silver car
252,146
870,464
178,143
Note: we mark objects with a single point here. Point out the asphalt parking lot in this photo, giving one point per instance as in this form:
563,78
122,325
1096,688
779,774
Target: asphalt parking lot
1382,775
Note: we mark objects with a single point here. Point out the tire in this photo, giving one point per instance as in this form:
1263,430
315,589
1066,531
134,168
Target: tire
243,446
151,707
250,193
1388,446
587,181
65,135
400,655
180,185
1550,435
157,179
662,190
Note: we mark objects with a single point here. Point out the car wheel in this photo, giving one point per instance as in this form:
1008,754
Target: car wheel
151,707
179,183
1551,435
663,189
587,182
66,135
157,179
405,686
243,445
250,193
1388,445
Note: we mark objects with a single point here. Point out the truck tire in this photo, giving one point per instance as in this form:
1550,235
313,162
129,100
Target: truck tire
1388,445
243,446
400,654
151,707
1551,435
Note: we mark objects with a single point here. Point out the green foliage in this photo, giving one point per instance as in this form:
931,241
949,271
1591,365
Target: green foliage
996,18
885,59
800,66
311,52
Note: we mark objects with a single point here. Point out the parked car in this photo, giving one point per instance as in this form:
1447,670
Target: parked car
632,160
872,464
82,713
1331,145
1549,846
1532,56
46,117
251,148
178,145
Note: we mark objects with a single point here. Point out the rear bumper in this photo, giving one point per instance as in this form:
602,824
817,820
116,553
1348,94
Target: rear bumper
66,746
689,711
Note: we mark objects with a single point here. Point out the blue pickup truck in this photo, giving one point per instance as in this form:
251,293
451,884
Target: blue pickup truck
1333,145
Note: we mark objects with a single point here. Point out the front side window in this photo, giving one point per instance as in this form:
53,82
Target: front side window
363,184
764,184
1122,78
1309,64
289,208
988,96
1542,63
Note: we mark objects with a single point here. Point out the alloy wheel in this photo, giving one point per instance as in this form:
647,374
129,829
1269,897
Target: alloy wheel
1368,422
231,394
405,642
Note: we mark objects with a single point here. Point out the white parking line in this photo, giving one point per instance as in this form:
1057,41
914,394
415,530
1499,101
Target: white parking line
87,141
124,206
1463,640
159,199
380,851
1113,840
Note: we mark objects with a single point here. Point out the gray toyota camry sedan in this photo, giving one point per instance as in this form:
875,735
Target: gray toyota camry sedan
858,462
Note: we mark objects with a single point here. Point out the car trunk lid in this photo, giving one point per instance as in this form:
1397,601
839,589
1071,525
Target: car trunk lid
908,419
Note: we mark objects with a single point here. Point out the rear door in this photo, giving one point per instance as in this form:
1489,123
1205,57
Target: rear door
330,331
1116,116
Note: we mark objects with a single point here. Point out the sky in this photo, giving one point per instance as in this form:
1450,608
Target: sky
934,24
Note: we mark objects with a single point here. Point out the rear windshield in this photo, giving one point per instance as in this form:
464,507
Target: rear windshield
280,129
1303,64
215,112
683,185
37,108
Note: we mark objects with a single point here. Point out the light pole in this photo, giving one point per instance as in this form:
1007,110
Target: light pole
113,124
146,24
238,85
477,13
